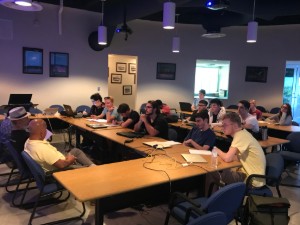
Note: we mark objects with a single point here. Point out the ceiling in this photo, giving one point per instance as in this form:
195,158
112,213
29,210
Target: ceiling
239,12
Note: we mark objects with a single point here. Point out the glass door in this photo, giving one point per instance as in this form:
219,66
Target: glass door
291,89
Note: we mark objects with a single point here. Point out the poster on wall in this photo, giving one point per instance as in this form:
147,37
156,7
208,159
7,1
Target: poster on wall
59,64
32,60
166,71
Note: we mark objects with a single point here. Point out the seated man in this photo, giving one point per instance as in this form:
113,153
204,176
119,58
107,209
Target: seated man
244,148
164,108
202,105
201,136
196,101
152,122
254,111
130,117
47,155
110,111
20,120
97,106
216,111
248,121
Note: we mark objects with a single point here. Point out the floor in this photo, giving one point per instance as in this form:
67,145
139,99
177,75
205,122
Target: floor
138,215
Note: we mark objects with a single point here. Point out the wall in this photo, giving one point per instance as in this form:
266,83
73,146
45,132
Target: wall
151,44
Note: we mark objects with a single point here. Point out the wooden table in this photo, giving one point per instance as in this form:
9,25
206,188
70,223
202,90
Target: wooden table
264,114
119,185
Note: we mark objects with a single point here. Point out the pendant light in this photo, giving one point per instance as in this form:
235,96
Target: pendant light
176,40
102,30
23,5
252,28
169,15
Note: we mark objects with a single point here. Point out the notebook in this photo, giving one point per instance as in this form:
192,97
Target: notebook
50,111
131,134
193,158
185,106
96,125
69,111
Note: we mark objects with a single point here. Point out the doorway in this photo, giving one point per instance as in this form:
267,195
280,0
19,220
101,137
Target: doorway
291,88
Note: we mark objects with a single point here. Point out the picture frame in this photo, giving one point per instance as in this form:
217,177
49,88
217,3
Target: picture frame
58,64
131,68
166,71
32,60
127,89
121,67
256,74
116,78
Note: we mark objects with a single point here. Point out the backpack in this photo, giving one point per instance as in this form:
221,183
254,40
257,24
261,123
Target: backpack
262,210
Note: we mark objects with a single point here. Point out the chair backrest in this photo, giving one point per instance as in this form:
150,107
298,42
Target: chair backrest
232,107
275,110
213,218
143,108
35,169
83,108
35,110
172,134
18,160
294,144
60,107
227,200
274,167
294,123
261,108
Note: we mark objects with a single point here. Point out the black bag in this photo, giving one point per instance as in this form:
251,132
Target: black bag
267,210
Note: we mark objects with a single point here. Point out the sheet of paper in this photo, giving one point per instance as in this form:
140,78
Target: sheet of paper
98,120
201,152
164,144
48,134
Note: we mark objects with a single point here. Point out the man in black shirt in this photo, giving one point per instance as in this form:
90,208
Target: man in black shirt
97,106
129,117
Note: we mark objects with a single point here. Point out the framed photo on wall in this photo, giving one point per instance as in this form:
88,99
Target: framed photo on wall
166,71
32,60
256,74
127,89
131,68
116,78
59,64
121,67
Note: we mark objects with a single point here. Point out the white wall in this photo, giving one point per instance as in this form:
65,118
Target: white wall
151,44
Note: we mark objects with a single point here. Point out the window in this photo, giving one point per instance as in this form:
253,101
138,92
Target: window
213,77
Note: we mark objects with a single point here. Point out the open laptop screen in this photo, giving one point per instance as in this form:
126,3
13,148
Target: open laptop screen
19,99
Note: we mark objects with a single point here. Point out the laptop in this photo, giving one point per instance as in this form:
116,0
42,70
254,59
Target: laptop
96,125
69,112
185,106
131,134
50,111
19,99
194,158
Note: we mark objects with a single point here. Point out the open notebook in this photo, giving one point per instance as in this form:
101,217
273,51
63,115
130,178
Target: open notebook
193,158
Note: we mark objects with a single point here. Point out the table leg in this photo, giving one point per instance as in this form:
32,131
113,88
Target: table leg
99,213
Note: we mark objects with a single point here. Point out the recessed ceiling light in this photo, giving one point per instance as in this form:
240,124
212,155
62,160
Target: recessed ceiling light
25,5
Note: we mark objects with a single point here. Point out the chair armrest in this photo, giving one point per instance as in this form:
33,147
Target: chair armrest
249,179
190,210
178,197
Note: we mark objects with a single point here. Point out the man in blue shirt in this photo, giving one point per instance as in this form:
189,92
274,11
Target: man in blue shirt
201,136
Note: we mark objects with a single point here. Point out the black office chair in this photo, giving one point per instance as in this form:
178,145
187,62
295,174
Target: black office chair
274,170
291,155
47,187
261,108
275,110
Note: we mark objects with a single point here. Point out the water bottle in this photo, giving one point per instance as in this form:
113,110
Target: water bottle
264,131
214,158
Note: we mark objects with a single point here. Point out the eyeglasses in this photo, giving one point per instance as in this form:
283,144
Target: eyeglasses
149,107
202,105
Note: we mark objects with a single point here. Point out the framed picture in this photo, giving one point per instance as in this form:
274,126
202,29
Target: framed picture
116,78
131,68
166,71
32,60
256,74
127,89
121,67
59,64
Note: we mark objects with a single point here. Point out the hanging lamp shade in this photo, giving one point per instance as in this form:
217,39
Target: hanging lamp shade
24,3
176,45
102,35
169,15
252,32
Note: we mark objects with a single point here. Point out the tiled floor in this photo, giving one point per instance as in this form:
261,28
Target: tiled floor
143,216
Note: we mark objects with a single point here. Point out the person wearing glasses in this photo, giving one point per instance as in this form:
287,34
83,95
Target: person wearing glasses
284,117
152,122
97,106
245,149
201,136
202,105
248,121
196,101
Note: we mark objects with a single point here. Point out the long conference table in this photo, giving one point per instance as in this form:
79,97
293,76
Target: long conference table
123,184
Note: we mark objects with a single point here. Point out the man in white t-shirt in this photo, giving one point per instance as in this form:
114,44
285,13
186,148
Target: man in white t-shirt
47,155
248,121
